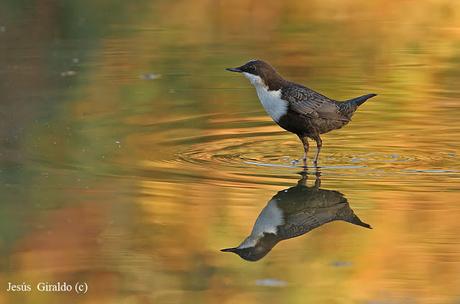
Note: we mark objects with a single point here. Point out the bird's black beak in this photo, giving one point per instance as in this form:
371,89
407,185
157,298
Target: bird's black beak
237,70
229,249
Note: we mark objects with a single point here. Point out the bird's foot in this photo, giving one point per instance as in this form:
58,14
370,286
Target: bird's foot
315,162
304,162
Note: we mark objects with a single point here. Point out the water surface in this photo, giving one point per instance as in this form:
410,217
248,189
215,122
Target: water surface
129,157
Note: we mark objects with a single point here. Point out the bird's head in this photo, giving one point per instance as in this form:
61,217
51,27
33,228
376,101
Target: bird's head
253,249
258,72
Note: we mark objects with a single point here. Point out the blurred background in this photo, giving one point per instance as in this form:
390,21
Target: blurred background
129,157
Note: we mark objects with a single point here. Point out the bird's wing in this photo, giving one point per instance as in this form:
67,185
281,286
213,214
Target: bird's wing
303,222
309,103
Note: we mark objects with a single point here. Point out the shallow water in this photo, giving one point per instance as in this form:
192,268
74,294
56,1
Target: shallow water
129,157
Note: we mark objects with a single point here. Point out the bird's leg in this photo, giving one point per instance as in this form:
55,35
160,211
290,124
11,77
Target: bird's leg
319,143
303,180
318,179
304,141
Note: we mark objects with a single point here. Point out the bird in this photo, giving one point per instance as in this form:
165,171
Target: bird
293,212
296,108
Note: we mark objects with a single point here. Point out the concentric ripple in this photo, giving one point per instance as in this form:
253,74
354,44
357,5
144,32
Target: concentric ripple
253,146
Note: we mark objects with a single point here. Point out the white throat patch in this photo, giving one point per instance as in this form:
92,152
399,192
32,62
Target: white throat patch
267,222
271,100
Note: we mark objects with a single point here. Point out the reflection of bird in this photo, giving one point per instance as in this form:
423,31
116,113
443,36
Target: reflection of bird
296,108
291,213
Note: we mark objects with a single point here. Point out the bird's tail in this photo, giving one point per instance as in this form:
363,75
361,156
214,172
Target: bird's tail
348,107
356,102
357,221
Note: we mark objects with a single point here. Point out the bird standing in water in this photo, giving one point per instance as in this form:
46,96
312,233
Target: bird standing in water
296,108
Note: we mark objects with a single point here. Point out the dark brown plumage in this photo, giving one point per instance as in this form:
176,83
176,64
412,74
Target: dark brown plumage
307,113
301,209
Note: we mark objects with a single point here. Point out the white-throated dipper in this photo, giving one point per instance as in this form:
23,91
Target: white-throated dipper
293,212
296,108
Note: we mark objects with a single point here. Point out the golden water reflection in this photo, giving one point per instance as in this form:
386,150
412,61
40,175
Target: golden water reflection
134,184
